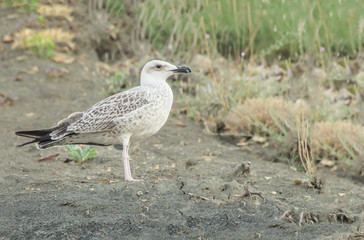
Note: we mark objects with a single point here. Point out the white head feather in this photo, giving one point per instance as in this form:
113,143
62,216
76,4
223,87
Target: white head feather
156,72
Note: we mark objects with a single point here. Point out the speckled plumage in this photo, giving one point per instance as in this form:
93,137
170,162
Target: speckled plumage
127,116
139,112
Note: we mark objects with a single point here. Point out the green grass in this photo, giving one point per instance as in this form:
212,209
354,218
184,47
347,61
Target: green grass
26,5
115,7
261,29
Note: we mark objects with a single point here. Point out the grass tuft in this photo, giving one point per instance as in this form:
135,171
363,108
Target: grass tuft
341,141
43,39
41,45
305,153
265,116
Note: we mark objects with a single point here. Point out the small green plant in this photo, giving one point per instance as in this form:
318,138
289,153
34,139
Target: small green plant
81,153
40,19
117,82
41,45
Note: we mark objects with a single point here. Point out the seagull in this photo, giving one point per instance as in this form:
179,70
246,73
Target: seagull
127,116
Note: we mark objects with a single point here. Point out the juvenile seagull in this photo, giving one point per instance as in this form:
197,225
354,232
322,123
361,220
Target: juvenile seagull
127,116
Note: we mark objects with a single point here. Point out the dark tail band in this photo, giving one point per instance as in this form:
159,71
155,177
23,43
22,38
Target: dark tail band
40,136
34,133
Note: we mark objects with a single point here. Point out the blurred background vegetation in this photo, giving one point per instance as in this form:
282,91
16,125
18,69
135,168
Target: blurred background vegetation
268,65
264,30
261,67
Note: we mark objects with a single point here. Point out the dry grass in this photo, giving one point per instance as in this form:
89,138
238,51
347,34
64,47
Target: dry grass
265,116
56,10
341,140
57,35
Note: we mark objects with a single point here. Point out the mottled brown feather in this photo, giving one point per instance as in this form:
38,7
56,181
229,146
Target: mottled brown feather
101,117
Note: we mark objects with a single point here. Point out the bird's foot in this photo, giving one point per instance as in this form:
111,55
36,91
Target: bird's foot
130,179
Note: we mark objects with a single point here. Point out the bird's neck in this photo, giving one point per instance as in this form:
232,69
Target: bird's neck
151,81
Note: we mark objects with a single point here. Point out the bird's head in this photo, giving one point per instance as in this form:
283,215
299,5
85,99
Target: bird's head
156,71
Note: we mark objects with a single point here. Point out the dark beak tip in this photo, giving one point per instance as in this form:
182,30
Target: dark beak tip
182,70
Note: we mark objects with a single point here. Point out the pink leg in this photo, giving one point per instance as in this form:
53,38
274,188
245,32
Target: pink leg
127,172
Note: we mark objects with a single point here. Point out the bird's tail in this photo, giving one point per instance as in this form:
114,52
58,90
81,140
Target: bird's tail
41,137
45,138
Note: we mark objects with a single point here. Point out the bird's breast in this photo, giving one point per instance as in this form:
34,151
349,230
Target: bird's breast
154,116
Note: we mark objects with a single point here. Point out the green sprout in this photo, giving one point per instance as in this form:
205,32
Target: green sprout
40,19
81,154
41,45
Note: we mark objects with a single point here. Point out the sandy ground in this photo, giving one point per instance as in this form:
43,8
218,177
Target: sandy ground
191,189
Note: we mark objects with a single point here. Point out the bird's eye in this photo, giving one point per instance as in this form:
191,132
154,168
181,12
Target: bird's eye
158,66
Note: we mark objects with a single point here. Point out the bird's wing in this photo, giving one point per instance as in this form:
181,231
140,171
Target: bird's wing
101,117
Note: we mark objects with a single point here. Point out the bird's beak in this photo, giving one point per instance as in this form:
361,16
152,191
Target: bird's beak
181,69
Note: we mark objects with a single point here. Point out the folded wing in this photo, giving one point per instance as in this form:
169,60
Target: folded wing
99,118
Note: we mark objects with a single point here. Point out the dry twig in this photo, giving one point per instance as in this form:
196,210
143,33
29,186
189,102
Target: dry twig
248,193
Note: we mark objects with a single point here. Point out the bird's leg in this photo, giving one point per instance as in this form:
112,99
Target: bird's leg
127,172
